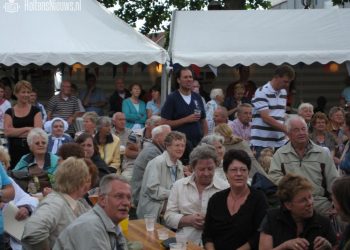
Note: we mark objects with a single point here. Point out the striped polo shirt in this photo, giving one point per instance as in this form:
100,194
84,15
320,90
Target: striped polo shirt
262,134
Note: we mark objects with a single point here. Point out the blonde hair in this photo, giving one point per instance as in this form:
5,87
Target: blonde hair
265,162
22,84
224,130
4,157
71,175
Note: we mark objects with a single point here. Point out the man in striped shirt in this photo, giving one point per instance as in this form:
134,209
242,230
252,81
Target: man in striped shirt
64,105
269,102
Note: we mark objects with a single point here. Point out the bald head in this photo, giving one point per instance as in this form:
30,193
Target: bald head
119,121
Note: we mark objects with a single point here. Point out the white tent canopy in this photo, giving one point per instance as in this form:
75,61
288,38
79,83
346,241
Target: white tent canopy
89,34
260,36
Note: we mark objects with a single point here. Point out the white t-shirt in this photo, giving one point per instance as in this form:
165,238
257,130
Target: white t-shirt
187,98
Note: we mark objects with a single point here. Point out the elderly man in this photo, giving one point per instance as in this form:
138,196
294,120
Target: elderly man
188,199
221,116
116,99
241,126
98,228
64,105
152,150
301,156
119,128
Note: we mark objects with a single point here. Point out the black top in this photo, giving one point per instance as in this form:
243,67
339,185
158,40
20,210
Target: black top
26,121
231,232
279,223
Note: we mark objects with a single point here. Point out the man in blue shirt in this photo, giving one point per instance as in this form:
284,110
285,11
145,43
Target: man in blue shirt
183,109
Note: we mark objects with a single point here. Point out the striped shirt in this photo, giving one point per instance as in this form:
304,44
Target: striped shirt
59,107
266,98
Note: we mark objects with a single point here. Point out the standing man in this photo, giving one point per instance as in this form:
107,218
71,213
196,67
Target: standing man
241,126
116,99
183,110
65,106
269,111
93,98
98,228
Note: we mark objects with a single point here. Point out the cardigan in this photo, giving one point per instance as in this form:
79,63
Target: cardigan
131,114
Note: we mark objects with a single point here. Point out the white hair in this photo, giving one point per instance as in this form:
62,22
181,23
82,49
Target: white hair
36,132
159,129
292,118
216,92
305,105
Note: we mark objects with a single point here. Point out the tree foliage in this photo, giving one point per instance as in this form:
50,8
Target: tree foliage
157,13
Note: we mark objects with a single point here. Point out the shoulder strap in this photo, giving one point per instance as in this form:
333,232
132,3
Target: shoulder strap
283,169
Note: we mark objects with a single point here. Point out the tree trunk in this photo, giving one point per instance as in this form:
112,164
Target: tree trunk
234,4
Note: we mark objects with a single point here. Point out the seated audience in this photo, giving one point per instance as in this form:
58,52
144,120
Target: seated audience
221,116
336,117
108,144
217,141
232,101
306,110
341,197
37,141
295,225
148,153
301,156
98,228
119,128
320,135
56,128
160,175
89,124
33,99
188,199
25,203
217,99
241,126
153,107
87,142
60,208
265,158
234,214
345,158
233,142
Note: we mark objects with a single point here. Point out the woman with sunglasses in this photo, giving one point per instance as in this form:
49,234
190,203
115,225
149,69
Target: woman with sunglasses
37,141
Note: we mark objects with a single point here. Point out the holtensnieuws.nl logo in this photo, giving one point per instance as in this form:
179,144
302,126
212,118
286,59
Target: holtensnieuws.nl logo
14,6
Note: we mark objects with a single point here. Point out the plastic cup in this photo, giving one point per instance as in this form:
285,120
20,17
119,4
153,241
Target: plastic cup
150,220
124,225
197,112
177,246
93,195
181,237
163,234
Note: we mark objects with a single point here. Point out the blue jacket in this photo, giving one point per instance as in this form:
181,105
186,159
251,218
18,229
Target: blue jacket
131,114
50,164
66,138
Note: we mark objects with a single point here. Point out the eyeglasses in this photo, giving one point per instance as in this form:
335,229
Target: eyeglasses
40,143
236,170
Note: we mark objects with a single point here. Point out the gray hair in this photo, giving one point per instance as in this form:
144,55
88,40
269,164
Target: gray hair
210,139
159,129
92,115
36,132
203,152
334,110
153,120
216,92
305,105
103,121
117,113
243,105
293,118
105,183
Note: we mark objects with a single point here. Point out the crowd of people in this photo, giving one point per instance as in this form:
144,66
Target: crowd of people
200,167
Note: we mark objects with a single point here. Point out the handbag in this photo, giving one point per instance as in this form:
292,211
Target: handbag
32,180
